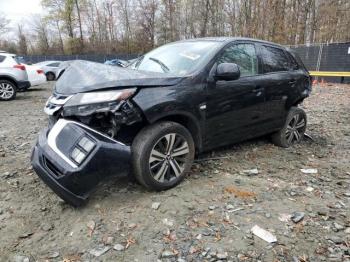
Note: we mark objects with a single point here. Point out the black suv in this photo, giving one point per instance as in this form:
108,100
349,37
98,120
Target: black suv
153,116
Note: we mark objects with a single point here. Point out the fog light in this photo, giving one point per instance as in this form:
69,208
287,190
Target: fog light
78,155
86,144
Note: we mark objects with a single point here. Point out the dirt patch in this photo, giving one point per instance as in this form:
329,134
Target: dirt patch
208,217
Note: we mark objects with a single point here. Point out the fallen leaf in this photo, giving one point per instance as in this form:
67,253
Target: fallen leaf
239,193
91,227
130,241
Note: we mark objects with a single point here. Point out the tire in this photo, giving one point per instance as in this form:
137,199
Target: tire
293,130
50,76
162,170
7,90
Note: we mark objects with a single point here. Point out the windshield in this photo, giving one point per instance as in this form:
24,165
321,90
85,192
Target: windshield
180,58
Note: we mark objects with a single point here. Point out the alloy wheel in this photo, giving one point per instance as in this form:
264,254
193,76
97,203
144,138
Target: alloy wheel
6,91
168,157
295,129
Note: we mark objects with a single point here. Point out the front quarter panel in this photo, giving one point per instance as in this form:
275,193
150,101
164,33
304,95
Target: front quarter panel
182,99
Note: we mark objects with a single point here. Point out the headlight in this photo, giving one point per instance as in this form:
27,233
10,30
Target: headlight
84,104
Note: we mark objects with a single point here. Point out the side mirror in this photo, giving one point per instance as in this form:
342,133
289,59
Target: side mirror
227,71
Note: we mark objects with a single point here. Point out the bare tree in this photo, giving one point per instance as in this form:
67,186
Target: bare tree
104,26
22,41
3,23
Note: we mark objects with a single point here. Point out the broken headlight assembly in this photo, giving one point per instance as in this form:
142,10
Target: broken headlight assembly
84,104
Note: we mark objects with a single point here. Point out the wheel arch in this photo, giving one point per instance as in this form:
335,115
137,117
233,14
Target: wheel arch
10,79
297,102
50,73
188,121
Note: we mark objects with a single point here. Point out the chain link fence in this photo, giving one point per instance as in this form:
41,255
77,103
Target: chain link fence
333,57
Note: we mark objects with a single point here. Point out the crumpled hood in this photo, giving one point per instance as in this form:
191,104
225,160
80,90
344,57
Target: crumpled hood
84,76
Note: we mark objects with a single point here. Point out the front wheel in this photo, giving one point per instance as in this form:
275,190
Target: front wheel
50,76
162,155
7,90
293,130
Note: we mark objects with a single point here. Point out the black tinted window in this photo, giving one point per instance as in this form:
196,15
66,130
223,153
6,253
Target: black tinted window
292,63
54,64
2,58
274,59
244,56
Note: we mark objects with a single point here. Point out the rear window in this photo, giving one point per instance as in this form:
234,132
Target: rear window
274,59
54,64
19,59
293,64
298,60
2,58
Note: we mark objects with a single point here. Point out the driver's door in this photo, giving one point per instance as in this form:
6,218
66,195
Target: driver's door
234,109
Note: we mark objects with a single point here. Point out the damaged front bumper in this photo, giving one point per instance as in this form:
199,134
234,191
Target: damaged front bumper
72,159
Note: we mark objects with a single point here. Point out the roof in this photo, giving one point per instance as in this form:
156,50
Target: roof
48,62
6,54
230,39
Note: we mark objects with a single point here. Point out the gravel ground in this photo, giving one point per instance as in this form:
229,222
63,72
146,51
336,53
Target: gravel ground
207,218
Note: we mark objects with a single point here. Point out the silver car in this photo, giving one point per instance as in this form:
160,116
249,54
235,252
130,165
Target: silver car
50,69
13,76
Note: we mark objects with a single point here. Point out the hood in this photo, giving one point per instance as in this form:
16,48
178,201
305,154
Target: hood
84,76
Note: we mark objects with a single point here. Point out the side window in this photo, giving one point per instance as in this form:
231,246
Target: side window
244,55
54,64
293,65
2,58
274,59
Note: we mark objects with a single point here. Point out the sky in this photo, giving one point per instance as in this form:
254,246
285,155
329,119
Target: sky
18,11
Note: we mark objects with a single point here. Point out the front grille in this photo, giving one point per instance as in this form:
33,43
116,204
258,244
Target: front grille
51,167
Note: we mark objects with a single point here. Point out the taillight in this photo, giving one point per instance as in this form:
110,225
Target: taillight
21,67
39,71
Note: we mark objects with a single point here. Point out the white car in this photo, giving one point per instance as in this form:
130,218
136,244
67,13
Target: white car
13,76
36,75
50,69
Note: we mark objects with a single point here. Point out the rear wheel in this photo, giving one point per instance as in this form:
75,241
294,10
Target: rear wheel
7,90
50,76
162,155
293,130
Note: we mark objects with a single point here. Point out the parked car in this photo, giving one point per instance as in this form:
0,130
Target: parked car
13,76
50,69
152,118
36,75
116,62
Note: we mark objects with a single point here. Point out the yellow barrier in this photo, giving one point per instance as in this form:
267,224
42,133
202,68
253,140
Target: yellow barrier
329,73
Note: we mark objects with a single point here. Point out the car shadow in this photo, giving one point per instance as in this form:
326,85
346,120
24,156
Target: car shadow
34,89
21,97
114,188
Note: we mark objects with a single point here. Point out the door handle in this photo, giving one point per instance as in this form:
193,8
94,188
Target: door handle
258,89
293,81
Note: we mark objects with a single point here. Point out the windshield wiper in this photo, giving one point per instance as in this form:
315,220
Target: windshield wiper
162,65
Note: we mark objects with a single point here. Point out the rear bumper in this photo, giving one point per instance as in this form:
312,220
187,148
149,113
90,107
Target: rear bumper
73,182
23,85
39,81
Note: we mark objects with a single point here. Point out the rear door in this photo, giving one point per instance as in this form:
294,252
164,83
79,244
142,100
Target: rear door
278,81
233,108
